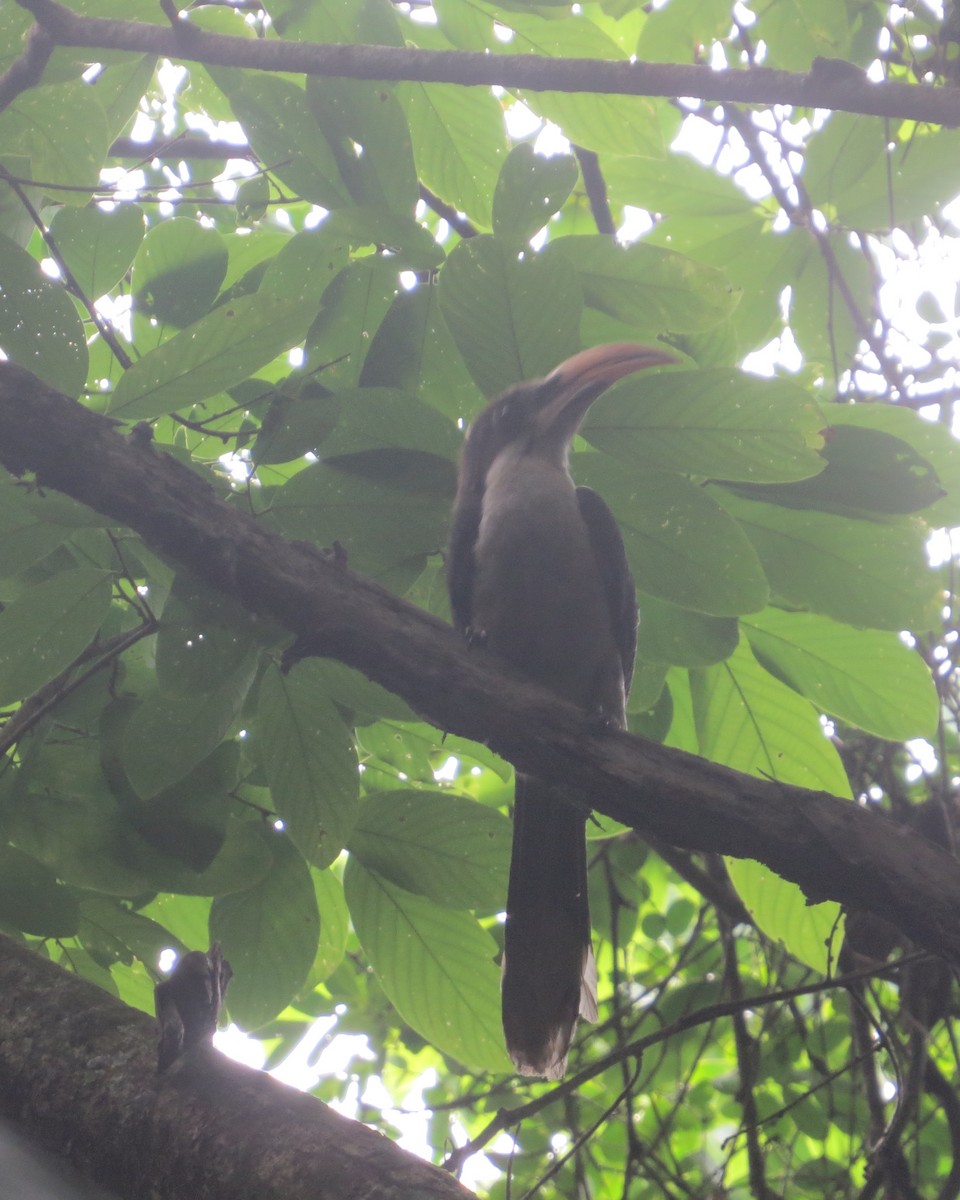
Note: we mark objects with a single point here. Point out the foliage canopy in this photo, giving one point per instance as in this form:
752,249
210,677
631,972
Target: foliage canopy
306,286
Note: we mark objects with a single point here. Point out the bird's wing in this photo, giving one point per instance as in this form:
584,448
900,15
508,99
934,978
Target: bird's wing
611,557
461,565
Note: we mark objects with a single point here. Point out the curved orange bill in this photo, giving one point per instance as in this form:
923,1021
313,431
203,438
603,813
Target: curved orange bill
580,379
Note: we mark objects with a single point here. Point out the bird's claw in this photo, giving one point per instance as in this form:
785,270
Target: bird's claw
475,637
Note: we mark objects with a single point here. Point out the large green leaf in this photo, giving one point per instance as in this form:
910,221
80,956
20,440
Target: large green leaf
270,934
612,124
204,637
178,271
310,760
813,933
872,180
386,508
458,143
434,963
932,440
373,418
858,571
31,899
98,246
44,630
284,133
356,113
748,720
63,130
352,307
446,847
39,326
169,734
413,350
866,677
668,634
218,351
721,424
682,546
530,189
867,472
512,318
646,286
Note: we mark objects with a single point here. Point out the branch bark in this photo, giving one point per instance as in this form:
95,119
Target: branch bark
78,1069
832,848
830,83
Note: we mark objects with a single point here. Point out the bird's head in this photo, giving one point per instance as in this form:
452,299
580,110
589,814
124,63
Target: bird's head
539,417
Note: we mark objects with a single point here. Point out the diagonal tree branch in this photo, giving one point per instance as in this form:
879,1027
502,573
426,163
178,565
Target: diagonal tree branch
78,1068
832,848
830,83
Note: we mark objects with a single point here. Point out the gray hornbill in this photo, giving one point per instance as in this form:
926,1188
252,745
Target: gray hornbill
537,572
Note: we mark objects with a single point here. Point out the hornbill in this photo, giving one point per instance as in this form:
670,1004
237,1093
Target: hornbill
537,572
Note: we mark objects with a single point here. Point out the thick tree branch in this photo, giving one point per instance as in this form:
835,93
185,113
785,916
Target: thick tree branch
78,1068
830,83
833,849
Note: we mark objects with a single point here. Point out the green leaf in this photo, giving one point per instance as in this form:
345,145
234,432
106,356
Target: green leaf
875,181
204,637
435,965
306,265
63,129
284,134
611,124
98,246
310,760
413,350
512,318
866,677
531,188
682,546
109,930
169,735
750,721
269,934
334,925
218,351
352,307
721,424
45,629
31,899
353,690
39,326
458,143
384,418
446,847
857,571
798,31
932,441
811,932
386,508
646,286
178,271
356,113
668,634
25,537
867,472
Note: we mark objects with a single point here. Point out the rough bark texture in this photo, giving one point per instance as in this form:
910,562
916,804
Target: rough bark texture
833,849
78,1070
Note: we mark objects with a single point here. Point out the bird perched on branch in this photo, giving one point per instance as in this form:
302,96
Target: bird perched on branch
537,572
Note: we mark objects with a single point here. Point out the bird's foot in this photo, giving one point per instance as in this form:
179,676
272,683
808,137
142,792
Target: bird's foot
475,637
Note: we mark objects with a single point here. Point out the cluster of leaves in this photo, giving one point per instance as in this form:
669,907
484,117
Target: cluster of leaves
165,782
